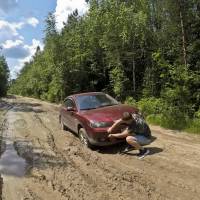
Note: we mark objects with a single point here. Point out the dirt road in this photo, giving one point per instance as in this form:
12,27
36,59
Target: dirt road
41,162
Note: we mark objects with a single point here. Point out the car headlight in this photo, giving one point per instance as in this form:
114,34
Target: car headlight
95,124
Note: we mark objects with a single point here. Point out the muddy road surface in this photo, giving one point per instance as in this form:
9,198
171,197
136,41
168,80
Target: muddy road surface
40,162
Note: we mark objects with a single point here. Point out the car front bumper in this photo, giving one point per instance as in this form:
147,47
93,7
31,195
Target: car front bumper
99,137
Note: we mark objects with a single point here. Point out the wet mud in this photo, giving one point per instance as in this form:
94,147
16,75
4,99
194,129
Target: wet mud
52,164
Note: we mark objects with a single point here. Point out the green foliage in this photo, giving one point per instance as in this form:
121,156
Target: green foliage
152,105
4,75
117,79
130,101
160,112
193,125
156,119
148,50
197,114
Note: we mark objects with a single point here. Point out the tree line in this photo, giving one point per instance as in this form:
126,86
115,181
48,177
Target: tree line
144,52
4,75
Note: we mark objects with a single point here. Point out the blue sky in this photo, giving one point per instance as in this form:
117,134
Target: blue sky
22,24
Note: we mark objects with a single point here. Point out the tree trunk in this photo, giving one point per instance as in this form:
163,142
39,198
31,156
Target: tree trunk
183,34
133,74
133,67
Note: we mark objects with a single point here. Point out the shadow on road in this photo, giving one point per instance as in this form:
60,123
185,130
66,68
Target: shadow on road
20,107
119,148
11,97
153,150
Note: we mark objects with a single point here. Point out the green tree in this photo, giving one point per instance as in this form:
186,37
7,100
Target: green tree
4,75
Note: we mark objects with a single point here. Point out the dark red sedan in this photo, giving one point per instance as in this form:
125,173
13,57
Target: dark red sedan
90,115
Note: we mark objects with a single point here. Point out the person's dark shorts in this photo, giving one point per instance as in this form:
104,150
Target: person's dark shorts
142,140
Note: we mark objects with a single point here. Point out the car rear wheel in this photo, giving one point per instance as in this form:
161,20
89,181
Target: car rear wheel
84,138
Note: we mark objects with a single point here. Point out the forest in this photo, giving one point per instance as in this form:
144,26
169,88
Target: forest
143,52
4,76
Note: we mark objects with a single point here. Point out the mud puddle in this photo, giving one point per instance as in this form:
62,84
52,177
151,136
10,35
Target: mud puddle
10,163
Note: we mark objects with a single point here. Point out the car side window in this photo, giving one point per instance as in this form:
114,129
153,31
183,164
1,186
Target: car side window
69,103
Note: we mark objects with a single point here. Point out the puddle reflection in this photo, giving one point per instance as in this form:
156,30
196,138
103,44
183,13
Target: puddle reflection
10,163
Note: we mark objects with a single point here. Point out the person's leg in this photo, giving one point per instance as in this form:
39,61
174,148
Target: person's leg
115,136
133,142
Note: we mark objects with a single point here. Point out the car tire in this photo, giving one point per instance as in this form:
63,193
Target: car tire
63,127
84,138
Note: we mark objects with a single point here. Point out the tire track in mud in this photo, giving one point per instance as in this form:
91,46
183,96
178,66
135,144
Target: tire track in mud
81,169
26,152
5,108
67,192
20,146
106,177
115,180
72,168
50,137
64,169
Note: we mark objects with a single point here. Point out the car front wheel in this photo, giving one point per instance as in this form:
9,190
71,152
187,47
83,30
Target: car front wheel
84,138
62,126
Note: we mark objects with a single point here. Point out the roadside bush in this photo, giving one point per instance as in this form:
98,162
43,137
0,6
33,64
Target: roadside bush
155,119
174,118
178,109
194,124
131,101
151,106
197,114
166,113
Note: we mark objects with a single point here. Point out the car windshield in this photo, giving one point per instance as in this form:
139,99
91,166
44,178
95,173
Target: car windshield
88,102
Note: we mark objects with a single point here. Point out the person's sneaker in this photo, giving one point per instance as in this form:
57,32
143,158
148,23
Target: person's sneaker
128,148
143,153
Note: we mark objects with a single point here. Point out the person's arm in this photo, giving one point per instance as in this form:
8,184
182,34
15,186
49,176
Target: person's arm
119,135
114,126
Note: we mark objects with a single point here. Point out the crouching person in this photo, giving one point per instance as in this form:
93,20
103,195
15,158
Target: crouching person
137,132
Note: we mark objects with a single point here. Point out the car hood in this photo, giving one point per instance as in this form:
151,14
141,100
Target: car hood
109,113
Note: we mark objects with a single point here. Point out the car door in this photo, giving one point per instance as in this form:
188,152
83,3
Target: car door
69,114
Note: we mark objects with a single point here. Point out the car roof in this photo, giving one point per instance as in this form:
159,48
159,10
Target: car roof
85,94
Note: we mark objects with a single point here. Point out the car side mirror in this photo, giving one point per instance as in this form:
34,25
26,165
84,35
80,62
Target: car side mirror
70,109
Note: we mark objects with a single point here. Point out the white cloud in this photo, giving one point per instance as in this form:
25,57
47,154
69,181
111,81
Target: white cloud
10,43
32,21
7,5
32,48
13,45
66,7
17,64
9,30
15,49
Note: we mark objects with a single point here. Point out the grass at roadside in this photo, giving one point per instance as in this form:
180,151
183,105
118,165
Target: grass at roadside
194,126
190,126
159,112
